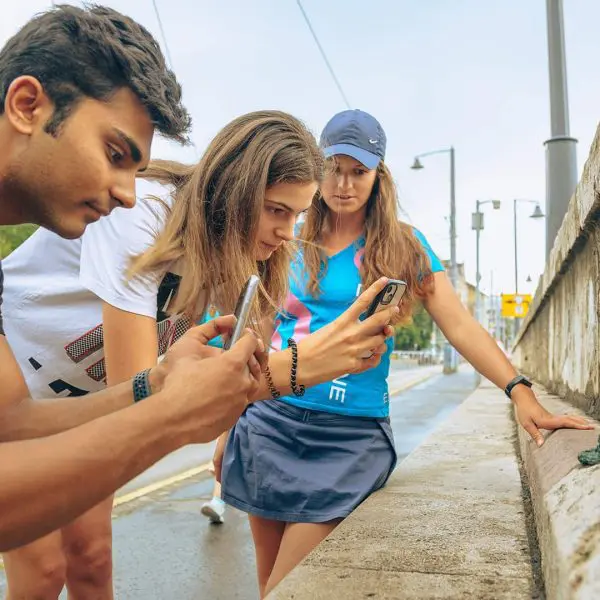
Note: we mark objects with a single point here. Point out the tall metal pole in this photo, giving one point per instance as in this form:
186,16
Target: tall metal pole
479,225
516,254
561,148
450,358
477,273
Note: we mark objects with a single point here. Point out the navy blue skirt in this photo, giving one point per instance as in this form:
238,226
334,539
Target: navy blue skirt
304,466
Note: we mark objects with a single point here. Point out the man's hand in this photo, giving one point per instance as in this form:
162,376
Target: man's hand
195,343
203,397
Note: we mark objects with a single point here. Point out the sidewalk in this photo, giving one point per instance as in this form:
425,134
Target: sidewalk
450,523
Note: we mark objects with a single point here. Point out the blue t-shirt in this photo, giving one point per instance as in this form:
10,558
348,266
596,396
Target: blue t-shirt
364,394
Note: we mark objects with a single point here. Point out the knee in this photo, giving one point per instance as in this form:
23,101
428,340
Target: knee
43,581
90,561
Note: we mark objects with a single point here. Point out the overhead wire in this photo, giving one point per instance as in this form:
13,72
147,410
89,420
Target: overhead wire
162,33
322,51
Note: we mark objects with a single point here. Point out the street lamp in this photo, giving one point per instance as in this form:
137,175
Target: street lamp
450,361
477,225
536,214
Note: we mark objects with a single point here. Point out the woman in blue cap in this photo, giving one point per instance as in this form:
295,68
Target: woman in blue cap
301,463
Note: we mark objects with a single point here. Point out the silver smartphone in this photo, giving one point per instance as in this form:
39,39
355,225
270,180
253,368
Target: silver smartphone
242,310
390,295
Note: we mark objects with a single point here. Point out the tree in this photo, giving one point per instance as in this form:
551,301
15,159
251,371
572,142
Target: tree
12,236
417,334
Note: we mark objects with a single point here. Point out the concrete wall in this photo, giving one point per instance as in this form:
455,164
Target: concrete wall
559,342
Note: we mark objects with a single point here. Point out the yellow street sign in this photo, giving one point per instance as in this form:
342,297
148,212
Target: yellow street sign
515,305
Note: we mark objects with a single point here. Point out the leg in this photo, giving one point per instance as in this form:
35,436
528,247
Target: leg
267,535
87,544
36,571
299,539
215,508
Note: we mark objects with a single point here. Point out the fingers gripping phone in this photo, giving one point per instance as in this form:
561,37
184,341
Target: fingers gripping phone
390,295
242,310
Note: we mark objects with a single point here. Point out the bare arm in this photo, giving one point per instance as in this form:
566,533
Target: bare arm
21,418
466,334
13,382
130,343
480,349
77,469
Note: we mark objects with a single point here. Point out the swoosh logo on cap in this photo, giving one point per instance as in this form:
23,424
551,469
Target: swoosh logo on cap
372,141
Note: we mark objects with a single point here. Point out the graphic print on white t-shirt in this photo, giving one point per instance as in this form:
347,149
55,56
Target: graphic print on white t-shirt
54,289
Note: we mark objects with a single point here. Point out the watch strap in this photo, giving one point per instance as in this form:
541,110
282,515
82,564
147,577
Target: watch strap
141,385
516,381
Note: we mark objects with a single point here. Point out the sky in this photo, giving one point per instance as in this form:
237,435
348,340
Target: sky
471,74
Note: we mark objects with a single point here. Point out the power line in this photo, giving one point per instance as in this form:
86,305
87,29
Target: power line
162,33
331,71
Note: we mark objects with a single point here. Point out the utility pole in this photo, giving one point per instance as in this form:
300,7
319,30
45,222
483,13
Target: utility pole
561,148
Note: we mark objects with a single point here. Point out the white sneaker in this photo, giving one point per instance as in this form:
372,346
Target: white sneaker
214,510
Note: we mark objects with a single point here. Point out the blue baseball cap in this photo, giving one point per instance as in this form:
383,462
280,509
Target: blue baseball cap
357,134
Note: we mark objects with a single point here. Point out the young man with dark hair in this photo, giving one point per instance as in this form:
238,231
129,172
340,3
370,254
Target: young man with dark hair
81,93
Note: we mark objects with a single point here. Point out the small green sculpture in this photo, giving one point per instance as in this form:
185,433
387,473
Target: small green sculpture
590,457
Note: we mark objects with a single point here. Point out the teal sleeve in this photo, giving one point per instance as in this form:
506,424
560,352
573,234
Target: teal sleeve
435,262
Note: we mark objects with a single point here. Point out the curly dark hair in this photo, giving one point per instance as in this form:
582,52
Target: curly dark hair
94,51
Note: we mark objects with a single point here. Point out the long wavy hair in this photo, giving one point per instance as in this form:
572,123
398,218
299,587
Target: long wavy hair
212,223
391,247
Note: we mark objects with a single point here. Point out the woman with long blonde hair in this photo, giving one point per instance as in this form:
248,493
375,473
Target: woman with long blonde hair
302,462
133,284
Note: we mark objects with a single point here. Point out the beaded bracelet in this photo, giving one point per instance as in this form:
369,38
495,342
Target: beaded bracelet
297,390
275,393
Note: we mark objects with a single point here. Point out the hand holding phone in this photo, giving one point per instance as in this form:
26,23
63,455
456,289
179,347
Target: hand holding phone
242,310
390,296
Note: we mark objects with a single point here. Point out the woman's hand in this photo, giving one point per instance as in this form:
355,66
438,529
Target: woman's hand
338,348
533,416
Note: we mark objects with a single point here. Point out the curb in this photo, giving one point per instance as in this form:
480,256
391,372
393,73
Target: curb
566,505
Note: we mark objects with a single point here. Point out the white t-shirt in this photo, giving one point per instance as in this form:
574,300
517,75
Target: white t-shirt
53,293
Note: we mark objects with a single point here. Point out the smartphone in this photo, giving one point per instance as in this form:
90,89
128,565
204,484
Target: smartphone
242,310
390,295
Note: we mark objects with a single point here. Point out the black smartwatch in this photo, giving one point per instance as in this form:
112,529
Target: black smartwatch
516,381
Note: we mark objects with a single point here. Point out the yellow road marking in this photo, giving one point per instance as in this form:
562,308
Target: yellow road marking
413,383
158,485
